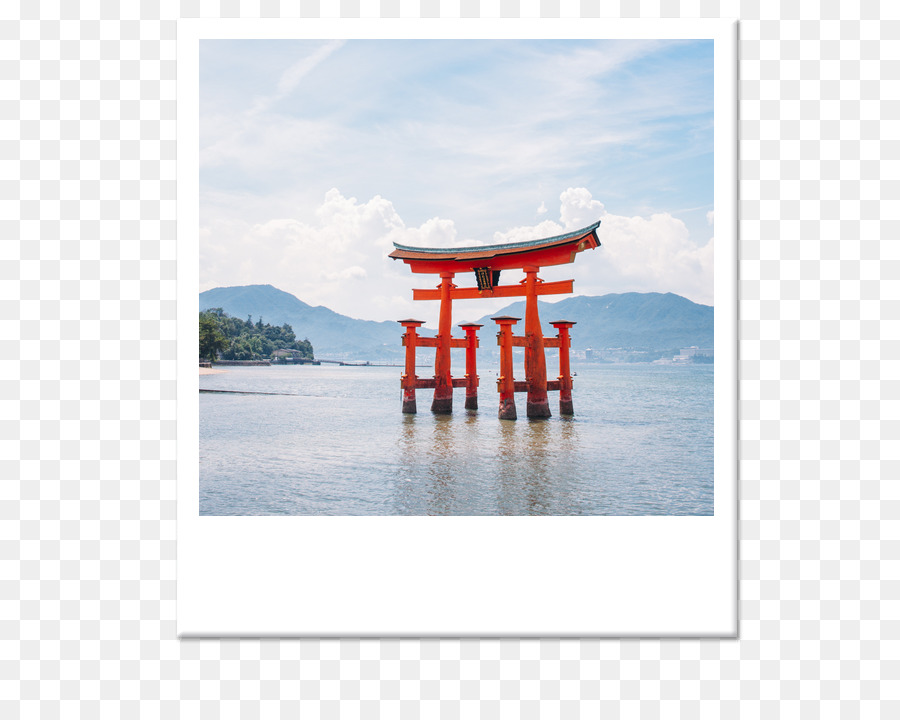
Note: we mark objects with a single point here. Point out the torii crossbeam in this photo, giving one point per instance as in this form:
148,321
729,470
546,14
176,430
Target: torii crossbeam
487,262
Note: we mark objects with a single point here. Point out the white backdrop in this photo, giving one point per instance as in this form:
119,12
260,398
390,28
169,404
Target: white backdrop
88,396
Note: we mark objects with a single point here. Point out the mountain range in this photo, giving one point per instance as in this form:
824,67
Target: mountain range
332,335
644,321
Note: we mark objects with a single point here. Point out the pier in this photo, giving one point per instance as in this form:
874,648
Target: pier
358,363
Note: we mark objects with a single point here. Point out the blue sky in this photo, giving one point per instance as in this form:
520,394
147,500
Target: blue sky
316,155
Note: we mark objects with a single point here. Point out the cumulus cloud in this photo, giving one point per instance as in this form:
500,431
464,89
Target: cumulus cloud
637,254
339,257
434,233
657,254
546,228
578,209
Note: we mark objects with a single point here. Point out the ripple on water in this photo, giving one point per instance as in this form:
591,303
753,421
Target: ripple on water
641,443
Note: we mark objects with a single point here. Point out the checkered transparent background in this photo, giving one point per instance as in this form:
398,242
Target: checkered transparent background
88,412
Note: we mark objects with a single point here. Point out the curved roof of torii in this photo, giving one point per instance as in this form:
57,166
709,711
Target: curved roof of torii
556,250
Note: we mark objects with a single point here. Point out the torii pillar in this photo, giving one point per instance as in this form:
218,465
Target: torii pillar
471,367
408,379
565,374
443,382
536,405
506,382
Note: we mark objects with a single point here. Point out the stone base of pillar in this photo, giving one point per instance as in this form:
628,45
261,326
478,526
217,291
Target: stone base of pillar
409,401
472,402
442,406
565,407
537,409
507,410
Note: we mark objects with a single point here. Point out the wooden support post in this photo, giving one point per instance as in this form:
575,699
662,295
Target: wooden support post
443,383
506,383
565,375
408,379
537,404
471,370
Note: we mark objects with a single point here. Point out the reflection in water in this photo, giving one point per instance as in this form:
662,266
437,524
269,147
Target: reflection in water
641,444
478,465
408,460
429,461
535,469
522,469
443,454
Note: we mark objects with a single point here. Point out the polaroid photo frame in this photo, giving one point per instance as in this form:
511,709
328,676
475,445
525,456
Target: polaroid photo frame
315,576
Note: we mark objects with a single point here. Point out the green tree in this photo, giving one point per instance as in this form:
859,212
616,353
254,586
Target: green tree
212,339
239,339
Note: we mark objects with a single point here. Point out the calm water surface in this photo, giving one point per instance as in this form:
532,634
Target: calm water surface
641,443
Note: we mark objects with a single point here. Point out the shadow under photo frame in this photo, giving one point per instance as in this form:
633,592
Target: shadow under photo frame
585,576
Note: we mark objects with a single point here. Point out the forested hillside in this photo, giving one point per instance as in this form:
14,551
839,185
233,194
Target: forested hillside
229,338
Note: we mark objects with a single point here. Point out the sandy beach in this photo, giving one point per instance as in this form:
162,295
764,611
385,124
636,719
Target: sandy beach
211,371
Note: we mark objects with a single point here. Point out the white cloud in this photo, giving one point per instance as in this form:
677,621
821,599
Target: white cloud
546,228
639,254
354,272
434,232
340,259
262,151
292,75
578,209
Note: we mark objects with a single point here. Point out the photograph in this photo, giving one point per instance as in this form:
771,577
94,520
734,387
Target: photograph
456,277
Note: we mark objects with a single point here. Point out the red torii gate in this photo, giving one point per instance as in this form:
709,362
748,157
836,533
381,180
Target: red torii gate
487,262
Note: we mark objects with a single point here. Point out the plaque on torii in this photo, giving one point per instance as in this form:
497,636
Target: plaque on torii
486,263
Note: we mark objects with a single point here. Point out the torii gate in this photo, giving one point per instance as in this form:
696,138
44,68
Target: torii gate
487,262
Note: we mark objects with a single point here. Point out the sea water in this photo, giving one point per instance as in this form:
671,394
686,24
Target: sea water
334,442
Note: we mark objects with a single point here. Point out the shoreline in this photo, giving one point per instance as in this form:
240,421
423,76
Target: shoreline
211,371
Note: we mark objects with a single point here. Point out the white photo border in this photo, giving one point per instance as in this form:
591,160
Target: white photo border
460,576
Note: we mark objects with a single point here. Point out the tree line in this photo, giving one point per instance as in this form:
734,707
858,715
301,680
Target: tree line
229,338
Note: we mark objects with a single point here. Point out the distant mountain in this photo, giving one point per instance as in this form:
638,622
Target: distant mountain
641,321
332,335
